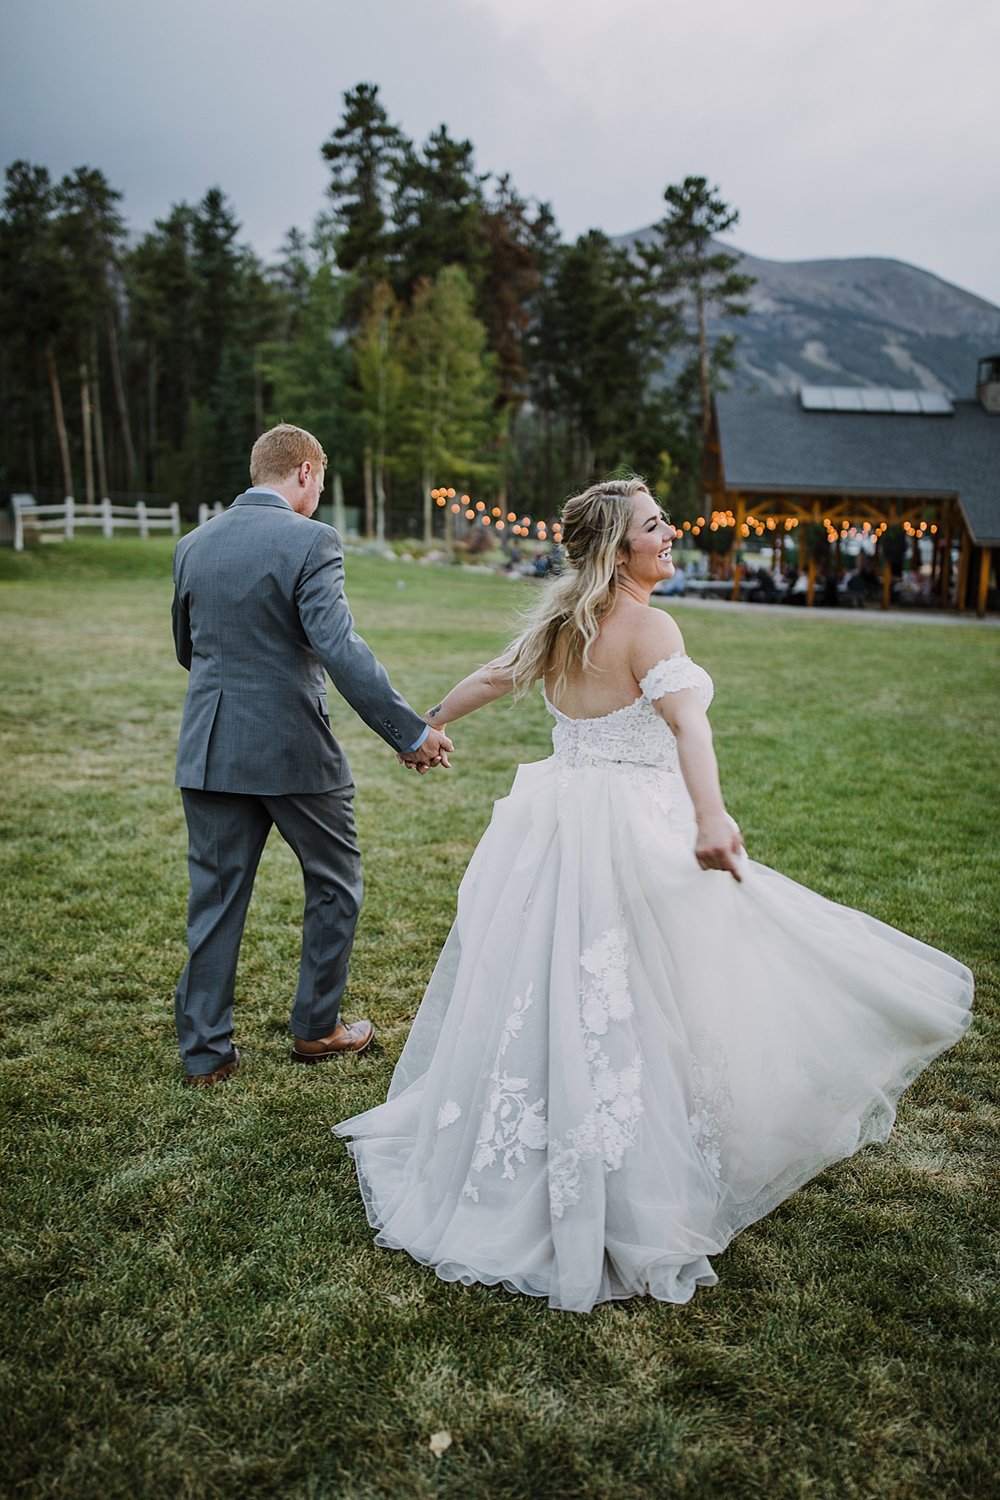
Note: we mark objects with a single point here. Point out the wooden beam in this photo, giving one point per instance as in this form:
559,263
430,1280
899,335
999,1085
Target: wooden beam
985,559
946,555
964,557
816,519
741,515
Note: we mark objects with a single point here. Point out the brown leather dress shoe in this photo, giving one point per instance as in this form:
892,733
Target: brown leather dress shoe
225,1070
348,1036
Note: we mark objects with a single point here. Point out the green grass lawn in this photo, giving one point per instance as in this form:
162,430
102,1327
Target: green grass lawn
192,1303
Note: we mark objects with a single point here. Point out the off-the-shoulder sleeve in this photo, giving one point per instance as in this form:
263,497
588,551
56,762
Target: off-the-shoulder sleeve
672,675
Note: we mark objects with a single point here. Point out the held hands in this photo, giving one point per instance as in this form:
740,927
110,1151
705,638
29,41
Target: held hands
720,845
433,752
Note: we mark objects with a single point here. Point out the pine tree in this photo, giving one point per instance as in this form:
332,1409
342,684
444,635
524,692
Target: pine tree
92,233
511,278
437,210
362,153
694,277
162,295
596,330
201,308
38,299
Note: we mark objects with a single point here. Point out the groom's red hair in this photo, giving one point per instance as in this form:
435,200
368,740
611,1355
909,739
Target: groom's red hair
278,452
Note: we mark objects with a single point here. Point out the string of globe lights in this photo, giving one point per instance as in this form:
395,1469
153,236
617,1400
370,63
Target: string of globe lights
719,520
521,526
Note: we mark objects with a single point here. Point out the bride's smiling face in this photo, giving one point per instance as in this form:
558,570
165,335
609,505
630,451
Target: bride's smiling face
650,537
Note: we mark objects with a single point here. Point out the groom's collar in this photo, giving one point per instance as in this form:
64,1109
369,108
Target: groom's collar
259,494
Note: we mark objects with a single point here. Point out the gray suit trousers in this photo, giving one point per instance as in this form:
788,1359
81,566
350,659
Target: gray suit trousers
226,836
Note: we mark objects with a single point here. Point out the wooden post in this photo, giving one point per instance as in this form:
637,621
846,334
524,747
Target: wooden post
741,513
68,528
945,577
107,523
985,559
811,590
140,515
935,563
886,564
964,558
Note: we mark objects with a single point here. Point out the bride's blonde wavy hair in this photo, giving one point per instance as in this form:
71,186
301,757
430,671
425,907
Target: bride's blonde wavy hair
565,622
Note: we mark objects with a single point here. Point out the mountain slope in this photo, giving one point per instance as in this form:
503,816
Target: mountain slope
864,321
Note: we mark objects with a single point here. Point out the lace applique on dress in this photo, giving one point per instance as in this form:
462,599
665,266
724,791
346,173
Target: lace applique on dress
634,739
510,1125
610,1127
712,1098
672,675
604,993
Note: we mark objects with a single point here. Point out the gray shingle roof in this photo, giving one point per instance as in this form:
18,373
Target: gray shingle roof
770,444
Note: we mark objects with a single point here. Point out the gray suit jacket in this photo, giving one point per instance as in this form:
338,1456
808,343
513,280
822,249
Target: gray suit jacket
259,611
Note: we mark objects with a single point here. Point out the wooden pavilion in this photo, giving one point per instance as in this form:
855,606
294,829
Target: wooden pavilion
856,461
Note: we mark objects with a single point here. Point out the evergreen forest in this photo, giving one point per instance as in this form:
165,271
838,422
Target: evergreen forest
432,328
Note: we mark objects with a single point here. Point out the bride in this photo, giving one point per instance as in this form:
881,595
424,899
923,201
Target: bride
636,1040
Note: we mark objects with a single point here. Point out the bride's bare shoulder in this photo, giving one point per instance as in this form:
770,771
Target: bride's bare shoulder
654,636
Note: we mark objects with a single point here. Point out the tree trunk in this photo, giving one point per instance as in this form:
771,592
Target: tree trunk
369,494
57,407
339,518
88,447
381,420
153,435
547,470
32,452
706,396
102,467
122,404
380,497
258,392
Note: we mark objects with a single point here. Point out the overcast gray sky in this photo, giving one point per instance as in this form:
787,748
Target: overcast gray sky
858,127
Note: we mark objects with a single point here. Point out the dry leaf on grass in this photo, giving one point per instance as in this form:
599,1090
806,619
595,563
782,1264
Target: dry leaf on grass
440,1443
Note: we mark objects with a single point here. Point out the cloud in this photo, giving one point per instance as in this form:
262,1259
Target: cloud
863,128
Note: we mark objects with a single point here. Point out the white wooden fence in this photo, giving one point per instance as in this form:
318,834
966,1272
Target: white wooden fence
68,517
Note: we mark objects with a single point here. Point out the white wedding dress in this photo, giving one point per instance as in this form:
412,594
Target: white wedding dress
622,1060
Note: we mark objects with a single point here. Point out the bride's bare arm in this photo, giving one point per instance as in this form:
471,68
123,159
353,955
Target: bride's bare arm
483,686
719,845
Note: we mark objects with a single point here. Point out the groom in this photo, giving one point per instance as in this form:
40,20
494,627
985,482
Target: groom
259,611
